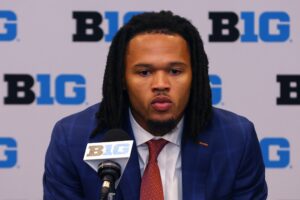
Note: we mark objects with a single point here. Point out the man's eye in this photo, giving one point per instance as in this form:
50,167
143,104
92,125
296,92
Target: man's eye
144,73
175,71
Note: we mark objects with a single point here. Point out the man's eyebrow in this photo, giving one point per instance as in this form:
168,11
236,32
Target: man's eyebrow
172,64
178,63
143,65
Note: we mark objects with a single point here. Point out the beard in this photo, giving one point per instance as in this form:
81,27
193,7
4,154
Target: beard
161,128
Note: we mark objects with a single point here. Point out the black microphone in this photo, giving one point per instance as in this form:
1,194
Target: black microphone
109,171
109,159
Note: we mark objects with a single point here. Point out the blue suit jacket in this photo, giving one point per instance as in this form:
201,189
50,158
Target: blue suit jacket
230,167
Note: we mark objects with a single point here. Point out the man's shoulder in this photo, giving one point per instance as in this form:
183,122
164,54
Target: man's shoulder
77,126
223,117
231,127
228,116
88,114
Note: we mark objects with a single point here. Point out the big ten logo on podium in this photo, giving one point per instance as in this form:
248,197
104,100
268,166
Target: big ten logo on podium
69,89
276,152
216,88
93,26
8,152
8,25
109,149
267,27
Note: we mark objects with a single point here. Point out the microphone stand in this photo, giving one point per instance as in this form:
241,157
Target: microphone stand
108,190
111,196
112,193
109,171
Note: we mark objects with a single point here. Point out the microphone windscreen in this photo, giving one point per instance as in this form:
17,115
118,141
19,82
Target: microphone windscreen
116,135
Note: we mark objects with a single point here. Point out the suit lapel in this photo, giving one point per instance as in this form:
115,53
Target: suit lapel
195,164
131,179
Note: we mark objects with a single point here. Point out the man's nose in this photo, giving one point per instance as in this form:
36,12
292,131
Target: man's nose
160,82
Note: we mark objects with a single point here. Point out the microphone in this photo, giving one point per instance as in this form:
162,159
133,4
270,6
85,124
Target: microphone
109,159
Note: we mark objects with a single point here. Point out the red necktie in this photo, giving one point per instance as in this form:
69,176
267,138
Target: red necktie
151,187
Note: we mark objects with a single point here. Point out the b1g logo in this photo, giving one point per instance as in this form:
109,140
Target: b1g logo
68,89
272,27
88,25
216,88
8,25
109,149
289,89
276,152
8,152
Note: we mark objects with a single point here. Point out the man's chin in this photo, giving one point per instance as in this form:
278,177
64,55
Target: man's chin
161,127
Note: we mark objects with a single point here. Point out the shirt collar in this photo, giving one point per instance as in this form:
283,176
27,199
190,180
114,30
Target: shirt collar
142,136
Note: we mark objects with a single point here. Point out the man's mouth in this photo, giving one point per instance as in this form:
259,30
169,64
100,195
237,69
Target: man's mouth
161,103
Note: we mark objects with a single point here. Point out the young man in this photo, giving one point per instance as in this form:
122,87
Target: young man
156,88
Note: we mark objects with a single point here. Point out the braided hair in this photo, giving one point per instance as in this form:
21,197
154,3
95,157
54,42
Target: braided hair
115,100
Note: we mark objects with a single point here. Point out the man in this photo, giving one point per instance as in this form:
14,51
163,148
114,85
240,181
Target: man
156,88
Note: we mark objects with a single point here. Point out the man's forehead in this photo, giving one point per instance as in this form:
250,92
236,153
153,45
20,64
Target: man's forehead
154,33
152,39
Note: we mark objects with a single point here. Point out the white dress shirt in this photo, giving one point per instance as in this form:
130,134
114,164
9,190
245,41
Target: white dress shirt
169,159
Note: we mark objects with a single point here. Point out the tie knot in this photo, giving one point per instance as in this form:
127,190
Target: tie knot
155,147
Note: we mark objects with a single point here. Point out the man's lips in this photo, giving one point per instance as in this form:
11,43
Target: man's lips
161,104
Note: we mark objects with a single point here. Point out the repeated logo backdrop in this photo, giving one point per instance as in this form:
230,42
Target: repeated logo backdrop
52,59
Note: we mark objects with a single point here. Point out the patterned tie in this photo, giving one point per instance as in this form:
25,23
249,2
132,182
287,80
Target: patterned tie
151,186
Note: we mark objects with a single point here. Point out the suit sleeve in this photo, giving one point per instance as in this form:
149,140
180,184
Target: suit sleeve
60,180
250,181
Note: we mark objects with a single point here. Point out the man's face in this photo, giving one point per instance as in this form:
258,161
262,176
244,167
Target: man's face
158,77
